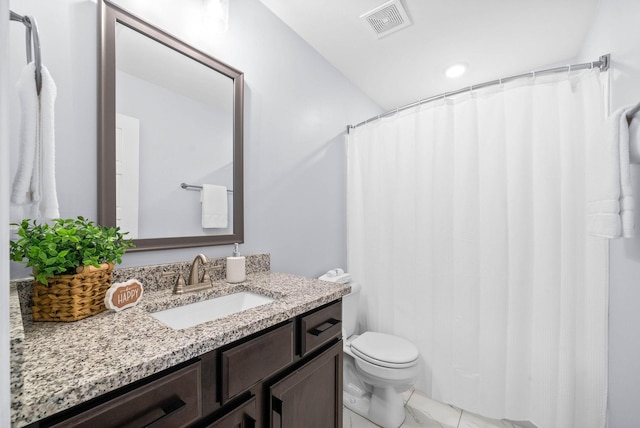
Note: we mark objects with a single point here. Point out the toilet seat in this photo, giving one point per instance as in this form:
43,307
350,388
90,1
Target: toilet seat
385,350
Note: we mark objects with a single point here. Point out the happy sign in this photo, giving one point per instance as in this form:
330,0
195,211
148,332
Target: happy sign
123,295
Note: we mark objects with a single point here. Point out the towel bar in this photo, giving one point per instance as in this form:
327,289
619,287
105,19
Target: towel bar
194,187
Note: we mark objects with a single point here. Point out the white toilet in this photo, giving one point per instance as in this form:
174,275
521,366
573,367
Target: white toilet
377,368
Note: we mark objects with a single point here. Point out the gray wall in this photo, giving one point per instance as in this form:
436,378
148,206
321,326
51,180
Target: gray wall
615,31
297,108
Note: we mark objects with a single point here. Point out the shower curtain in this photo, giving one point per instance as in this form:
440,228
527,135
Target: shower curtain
466,229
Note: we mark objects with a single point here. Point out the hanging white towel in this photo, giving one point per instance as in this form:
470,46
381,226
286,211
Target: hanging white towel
610,203
214,206
22,192
35,181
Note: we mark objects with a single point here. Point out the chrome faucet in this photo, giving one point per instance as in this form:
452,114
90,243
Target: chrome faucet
194,284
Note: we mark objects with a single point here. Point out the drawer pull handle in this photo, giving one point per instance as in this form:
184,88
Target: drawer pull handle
276,412
169,410
317,331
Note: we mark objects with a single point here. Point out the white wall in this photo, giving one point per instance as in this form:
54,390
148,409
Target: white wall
4,214
615,31
297,107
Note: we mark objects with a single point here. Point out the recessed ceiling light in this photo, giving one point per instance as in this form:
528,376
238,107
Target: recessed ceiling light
456,70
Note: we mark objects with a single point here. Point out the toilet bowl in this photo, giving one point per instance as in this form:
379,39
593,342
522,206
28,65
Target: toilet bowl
385,358
378,367
387,365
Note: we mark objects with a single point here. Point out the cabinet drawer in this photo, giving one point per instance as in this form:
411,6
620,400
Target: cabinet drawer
320,327
244,365
171,401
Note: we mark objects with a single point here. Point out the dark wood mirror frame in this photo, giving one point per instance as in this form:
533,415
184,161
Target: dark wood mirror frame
110,15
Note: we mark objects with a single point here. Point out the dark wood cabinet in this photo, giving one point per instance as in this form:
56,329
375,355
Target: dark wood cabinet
293,371
311,396
286,376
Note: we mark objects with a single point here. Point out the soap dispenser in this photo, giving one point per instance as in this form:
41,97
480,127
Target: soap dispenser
236,268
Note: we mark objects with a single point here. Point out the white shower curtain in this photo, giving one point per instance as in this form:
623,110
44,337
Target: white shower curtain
466,229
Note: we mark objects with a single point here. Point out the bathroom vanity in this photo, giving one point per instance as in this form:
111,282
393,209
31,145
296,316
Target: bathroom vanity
275,365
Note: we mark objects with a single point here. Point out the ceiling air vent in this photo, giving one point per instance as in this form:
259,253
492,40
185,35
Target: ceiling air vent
387,18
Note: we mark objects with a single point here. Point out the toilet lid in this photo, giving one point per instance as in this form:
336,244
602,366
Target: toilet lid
385,350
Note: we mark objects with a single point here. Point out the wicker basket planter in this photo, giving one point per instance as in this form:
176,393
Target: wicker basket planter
62,292
72,297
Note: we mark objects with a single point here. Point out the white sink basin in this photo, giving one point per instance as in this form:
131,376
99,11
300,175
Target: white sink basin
208,310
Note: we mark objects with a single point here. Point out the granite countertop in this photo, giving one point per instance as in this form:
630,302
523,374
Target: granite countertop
58,365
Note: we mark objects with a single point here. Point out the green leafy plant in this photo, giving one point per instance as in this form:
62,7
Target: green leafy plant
64,245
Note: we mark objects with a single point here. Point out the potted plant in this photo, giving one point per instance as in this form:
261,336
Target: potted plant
72,262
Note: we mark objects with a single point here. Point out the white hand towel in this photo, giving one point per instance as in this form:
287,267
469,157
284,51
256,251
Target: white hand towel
35,181
214,206
610,201
22,192
49,196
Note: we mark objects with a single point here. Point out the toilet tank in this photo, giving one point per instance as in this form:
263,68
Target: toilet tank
350,309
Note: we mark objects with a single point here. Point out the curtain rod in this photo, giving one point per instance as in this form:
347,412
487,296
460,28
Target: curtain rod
602,63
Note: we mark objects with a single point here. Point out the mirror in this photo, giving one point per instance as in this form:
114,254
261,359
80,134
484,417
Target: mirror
170,123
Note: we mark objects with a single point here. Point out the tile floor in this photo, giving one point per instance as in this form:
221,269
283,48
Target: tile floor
423,412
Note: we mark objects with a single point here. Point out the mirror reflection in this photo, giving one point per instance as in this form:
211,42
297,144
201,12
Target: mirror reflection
176,114
171,138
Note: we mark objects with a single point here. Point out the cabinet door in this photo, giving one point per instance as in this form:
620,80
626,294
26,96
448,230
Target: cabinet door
242,417
310,397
